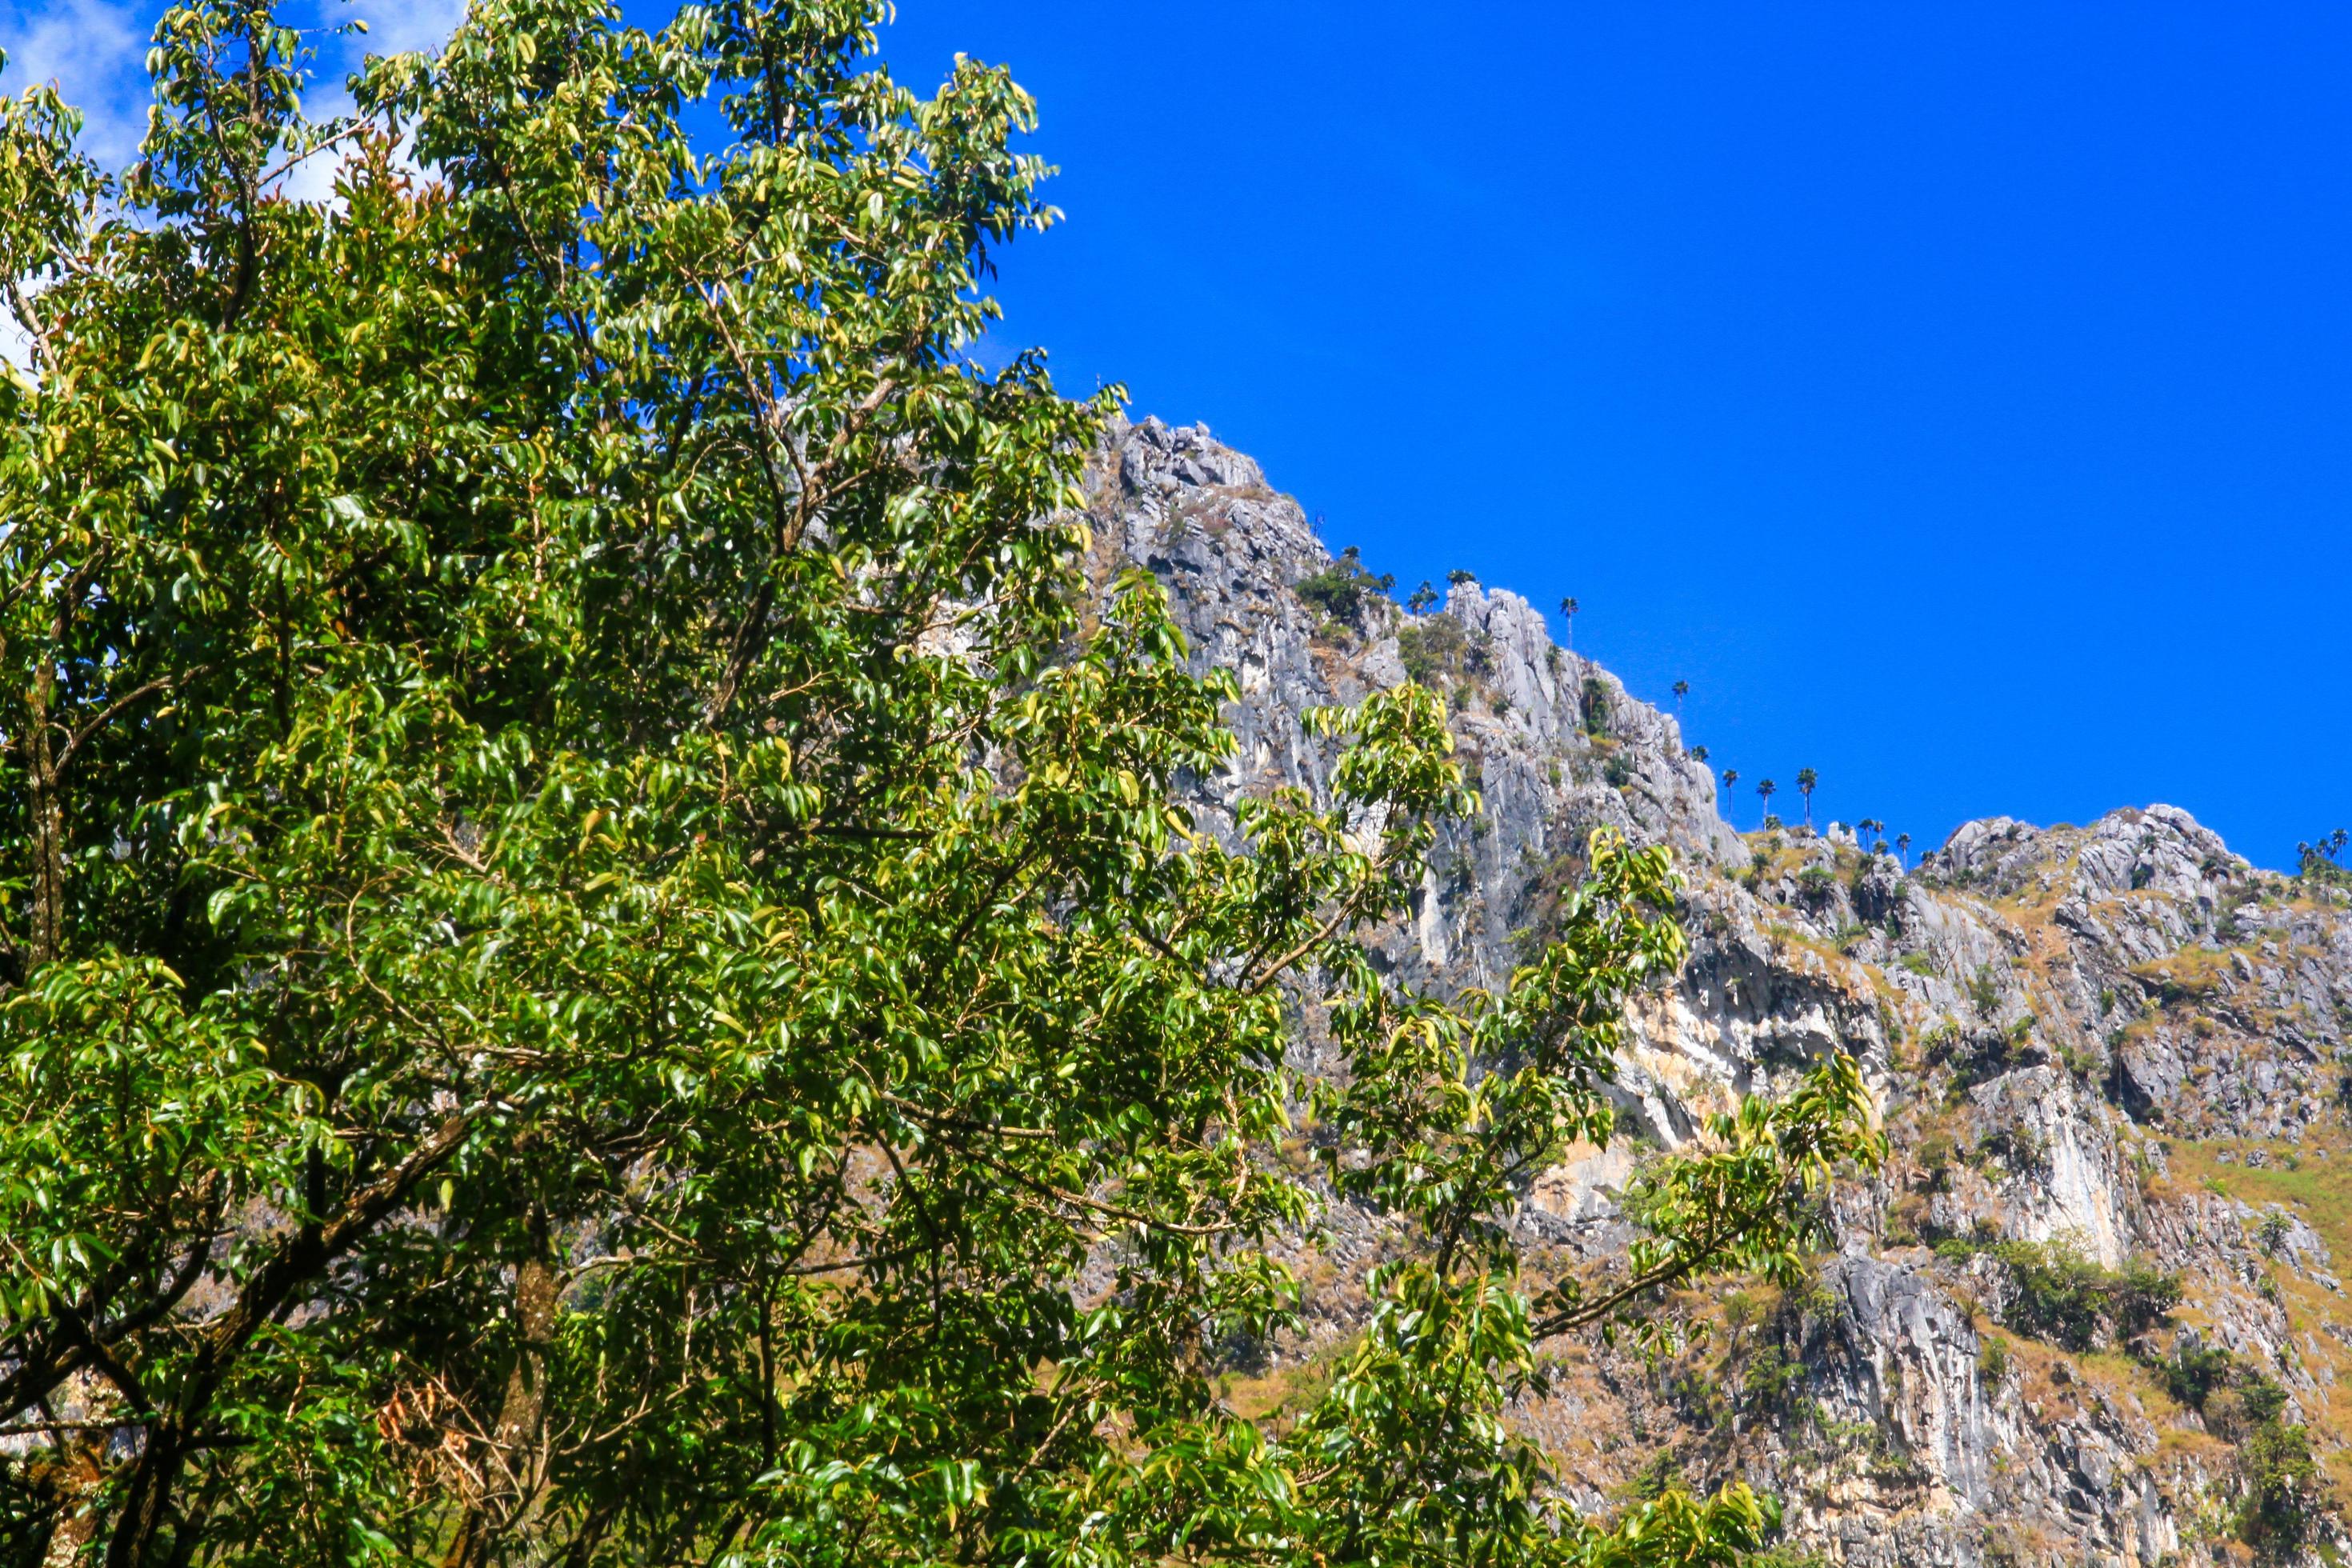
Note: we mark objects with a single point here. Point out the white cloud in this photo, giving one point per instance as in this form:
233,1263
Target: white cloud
397,28
424,24
15,344
94,51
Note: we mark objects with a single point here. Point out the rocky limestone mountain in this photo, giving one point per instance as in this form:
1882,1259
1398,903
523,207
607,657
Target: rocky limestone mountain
2089,1313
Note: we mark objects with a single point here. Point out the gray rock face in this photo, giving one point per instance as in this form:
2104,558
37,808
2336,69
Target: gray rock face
2118,1044
1900,1353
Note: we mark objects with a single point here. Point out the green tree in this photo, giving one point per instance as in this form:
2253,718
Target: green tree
1682,689
2062,1295
2283,1488
2321,866
1568,608
1342,589
1765,791
604,956
1806,781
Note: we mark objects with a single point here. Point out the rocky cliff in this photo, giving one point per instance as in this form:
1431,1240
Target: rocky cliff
2089,1312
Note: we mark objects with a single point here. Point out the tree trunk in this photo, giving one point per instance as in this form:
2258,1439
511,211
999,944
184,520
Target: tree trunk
46,826
147,1498
520,1450
77,1477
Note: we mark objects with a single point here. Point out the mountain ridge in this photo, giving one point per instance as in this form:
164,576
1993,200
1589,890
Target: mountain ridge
2068,1030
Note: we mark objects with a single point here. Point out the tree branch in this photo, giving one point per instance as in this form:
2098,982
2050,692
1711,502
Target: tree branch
146,1500
107,714
30,318
1586,1314
1080,1200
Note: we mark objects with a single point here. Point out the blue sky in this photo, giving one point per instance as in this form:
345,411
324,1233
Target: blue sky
1958,398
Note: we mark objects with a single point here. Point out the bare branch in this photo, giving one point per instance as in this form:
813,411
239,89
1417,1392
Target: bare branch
114,710
25,584
294,160
29,319
1079,1200
960,1123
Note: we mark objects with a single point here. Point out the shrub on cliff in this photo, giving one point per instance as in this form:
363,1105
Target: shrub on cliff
2059,1294
1342,589
2281,1490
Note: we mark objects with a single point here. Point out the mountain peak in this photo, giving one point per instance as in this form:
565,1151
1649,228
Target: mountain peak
2063,1026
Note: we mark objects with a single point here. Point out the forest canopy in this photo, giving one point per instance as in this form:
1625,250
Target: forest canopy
604,956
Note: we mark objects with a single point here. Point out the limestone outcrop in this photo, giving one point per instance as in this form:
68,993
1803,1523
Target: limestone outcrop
2108,1059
